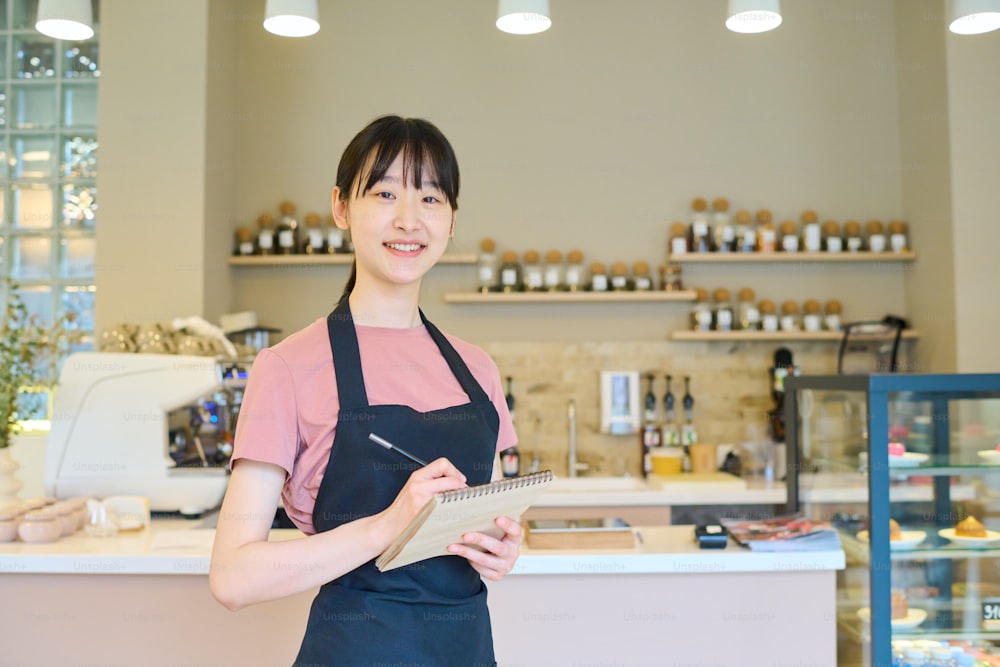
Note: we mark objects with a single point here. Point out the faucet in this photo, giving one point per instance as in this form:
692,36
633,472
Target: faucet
573,465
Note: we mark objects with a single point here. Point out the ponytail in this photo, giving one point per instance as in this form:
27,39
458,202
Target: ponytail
351,279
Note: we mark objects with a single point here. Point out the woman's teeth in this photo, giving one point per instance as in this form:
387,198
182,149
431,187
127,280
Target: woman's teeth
404,247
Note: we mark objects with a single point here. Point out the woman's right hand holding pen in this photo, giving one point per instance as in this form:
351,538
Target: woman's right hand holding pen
436,477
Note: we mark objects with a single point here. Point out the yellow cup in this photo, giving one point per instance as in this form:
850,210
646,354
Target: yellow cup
667,460
703,457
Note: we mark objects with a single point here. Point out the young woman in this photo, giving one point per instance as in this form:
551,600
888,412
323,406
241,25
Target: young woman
374,365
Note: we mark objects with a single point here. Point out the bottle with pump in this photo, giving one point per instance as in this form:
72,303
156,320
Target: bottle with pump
510,458
650,429
671,436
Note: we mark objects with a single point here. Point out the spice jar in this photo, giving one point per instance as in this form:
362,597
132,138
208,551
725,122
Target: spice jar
334,237
724,234
678,239
598,277
767,236
670,278
641,278
39,526
244,241
831,237
812,319
722,316
486,266
852,232
747,313
812,239
897,236
832,320
746,235
314,234
574,270
701,313
876,235
288,229
510,272
554,279
265,234
768,315
699,239
532,278
619,277
789,236
789,316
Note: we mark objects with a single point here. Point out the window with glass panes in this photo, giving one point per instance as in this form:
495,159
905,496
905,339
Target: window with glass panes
48,141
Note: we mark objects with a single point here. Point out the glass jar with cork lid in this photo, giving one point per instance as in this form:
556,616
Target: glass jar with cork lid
678,239
832,242
334,237
288,229
722,315
670,278
642,280
265,234
554,271
486,266
790,316
701,312
746,235
767,234
812,318
312,242
510,272
244,241
833,320
812,237
747,313
531,272
699,238
876,235
619,277
768,315
723,232
598,277
852,236
789,236
574,270
898,240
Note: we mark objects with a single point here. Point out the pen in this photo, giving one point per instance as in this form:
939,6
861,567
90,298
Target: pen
399,450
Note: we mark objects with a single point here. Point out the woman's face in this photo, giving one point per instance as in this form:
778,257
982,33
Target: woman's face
399,232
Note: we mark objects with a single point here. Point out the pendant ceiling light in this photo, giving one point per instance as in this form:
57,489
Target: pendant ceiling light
750,16
523,17
71,20
291,18
973,17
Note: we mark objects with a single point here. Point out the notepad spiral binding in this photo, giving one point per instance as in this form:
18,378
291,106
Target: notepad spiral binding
499,486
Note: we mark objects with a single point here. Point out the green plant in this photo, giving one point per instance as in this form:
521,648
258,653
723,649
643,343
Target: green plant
29,354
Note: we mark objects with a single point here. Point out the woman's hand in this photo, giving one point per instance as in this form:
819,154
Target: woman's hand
499,555
437,476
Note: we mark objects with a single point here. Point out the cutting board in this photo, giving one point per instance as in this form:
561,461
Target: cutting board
700,481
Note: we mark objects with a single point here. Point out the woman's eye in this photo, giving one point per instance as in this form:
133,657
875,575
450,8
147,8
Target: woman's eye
431,199
384,195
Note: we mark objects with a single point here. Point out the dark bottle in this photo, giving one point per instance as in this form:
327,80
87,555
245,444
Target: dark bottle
689,435
783,367
671,437
650,429
510,458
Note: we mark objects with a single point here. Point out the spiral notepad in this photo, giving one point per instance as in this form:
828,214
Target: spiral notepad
449,515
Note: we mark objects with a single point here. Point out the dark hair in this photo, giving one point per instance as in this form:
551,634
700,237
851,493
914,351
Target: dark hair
374,148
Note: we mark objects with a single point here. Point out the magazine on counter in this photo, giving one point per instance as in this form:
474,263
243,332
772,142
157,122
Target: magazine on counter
783,533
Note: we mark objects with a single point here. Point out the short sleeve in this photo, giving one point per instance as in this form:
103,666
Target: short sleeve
267,426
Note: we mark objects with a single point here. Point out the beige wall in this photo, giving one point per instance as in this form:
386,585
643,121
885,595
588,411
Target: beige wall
595,135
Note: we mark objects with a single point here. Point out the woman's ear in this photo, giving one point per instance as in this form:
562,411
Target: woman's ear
451,232
339,208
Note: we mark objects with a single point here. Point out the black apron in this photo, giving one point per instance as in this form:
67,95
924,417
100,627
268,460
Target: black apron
432,612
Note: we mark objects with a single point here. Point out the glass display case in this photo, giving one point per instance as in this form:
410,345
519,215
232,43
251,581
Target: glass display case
907,468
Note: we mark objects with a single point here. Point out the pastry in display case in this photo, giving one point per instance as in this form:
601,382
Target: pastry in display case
902,466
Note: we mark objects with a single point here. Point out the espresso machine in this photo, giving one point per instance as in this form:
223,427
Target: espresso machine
154,425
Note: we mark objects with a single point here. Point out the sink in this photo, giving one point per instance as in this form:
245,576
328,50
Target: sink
593,484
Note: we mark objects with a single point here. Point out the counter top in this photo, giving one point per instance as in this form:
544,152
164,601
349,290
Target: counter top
178,547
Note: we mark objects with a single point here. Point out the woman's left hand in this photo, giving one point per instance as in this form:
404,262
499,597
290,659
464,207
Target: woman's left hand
499,555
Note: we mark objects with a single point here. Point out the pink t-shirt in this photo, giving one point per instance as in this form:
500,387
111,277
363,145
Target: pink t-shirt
289,412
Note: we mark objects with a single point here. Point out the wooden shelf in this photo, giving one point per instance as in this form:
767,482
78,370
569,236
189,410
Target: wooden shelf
307,260
569,297
734,336
790,257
